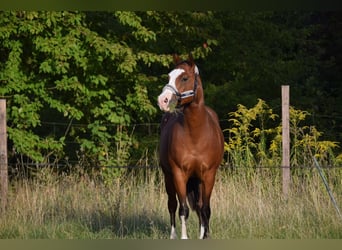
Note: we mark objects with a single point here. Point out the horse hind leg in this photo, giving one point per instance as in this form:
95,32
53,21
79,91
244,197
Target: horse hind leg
198,196
194,189
203,211
205,217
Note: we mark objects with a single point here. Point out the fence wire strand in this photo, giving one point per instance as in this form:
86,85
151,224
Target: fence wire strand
157,166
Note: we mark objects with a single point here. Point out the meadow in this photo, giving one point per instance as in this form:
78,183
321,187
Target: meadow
245,205
247,201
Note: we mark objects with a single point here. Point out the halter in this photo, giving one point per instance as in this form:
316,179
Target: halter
183,95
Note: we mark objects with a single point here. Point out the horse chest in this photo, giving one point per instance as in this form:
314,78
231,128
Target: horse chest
190,151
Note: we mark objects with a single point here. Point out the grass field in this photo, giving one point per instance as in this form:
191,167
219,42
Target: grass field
245,205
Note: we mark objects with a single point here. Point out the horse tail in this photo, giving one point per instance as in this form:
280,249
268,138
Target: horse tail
192,189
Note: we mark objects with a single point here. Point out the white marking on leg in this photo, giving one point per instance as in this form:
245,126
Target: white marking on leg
202,232
173,234
184,234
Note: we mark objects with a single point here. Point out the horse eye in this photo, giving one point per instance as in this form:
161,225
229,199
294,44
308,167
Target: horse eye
184,79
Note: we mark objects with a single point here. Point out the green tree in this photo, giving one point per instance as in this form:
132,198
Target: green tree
257,52
98,72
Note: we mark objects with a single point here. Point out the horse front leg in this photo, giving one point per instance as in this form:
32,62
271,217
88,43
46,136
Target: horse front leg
171,204
180,185
183,215
205,210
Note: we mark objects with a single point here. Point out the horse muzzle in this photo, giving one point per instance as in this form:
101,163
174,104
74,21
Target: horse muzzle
167,101
170,98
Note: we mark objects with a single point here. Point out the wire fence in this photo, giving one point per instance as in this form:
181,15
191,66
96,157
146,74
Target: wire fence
223,166
153,129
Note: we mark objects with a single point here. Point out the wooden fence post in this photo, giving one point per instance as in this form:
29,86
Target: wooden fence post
285,101
3,155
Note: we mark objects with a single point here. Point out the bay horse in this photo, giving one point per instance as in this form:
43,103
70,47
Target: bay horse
191,146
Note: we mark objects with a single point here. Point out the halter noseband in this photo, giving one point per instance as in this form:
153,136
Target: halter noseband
183,95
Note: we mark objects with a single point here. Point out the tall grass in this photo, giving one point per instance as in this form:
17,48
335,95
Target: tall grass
254,207
83,206
134,206
247,200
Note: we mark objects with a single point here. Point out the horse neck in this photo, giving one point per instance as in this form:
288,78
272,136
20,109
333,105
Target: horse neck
195,113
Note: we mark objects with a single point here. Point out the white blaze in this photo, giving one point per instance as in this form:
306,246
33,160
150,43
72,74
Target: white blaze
165,97
173,76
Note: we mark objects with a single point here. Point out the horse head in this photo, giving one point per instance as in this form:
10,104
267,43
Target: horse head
182,85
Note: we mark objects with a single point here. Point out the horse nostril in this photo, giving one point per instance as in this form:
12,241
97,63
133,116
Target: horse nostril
166,100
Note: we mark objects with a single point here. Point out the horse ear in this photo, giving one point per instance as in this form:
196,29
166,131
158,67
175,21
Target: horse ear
192,62
191,59
176,59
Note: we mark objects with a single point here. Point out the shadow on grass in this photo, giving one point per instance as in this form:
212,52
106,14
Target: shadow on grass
137,226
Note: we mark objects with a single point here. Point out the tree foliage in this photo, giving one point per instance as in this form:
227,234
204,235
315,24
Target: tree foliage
96,69
99,73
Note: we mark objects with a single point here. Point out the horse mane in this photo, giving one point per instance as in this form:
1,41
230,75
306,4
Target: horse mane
184,62
189,63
